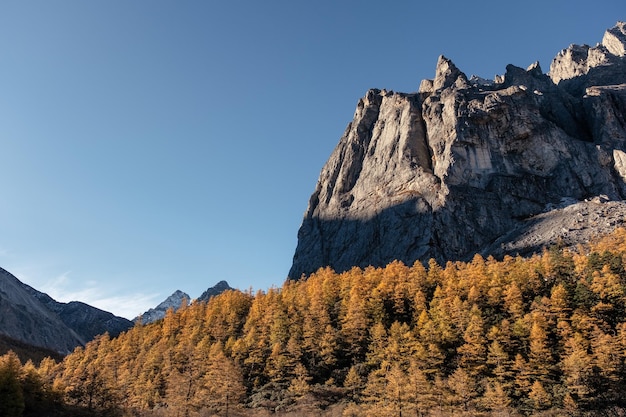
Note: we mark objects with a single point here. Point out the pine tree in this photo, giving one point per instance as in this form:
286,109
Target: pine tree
540,398
299,385
577,368
499,363
319,337
442,331
353,383
398,390
473,353
421,395
401,344
378,346
559,302
221,389
608,361
148,389
513,301
89,382
462,391
282,363
375,393
356,323
496,400
36,400
387,392
11,394
523,380
540,359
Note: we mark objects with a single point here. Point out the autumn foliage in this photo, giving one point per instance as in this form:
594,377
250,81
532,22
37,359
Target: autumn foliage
544,335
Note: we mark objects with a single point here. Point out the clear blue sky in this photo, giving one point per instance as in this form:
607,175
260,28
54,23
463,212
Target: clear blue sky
149,146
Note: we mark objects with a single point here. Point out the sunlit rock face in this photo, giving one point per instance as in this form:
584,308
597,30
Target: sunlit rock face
465,165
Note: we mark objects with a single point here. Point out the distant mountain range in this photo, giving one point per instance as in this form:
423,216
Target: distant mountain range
29,317
177,300
33,317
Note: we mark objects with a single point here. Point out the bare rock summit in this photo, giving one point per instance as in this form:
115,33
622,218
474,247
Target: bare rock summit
180,299
175,301
465,166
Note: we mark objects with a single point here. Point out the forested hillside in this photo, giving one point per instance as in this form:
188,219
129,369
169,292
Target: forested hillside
544,335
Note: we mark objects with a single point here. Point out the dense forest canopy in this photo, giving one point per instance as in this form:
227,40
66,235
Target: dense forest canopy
544,335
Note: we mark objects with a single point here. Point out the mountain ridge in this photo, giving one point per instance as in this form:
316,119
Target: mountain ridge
86,320
179,299
25,318
34,318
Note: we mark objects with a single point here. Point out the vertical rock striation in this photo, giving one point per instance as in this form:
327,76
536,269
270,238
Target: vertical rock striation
448,171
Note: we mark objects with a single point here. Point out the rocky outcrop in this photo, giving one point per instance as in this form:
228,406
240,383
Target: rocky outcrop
565,225
217,289
462,165
581,66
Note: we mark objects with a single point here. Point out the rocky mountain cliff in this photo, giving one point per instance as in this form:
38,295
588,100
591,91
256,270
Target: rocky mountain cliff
33,317
467,165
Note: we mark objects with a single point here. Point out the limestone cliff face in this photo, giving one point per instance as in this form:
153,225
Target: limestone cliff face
463,163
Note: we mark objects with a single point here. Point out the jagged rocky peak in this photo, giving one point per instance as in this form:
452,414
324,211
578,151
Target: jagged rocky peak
535,67
614,39
217,289
581,60
174,301
446,74
179,299
461,164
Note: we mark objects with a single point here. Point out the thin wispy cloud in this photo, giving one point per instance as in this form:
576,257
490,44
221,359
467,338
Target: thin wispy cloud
129,306
65,288
58,282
